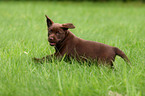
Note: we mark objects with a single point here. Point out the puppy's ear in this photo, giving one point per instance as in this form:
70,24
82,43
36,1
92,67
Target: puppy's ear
49,21
68,26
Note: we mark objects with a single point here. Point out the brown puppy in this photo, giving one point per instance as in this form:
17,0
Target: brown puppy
66,43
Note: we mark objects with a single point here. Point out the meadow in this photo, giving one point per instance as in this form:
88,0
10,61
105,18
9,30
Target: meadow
23,35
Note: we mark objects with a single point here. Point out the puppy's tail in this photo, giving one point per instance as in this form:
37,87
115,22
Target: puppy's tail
121,54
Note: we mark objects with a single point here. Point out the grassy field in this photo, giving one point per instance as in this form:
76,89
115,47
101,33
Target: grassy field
23,35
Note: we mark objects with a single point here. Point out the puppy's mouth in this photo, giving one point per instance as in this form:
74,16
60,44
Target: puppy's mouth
52,43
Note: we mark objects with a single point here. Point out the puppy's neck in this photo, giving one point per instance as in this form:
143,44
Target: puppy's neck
67,39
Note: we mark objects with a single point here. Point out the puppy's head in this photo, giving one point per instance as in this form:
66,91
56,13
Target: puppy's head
57,32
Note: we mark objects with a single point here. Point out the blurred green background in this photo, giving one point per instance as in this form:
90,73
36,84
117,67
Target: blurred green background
80,0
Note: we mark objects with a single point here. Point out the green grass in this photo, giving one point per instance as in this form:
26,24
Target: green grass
23,29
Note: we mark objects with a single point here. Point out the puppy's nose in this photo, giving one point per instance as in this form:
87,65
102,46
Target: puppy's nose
51,38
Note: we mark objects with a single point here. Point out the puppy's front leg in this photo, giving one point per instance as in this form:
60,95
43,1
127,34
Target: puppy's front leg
41,60
47,58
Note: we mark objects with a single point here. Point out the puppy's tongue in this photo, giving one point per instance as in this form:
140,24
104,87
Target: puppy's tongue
52,44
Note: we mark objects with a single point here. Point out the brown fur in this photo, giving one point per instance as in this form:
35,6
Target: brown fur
66,43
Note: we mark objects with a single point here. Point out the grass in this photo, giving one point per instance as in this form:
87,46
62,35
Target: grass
23,35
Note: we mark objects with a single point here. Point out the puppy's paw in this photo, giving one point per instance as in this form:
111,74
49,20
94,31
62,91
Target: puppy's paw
34,58
37,60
